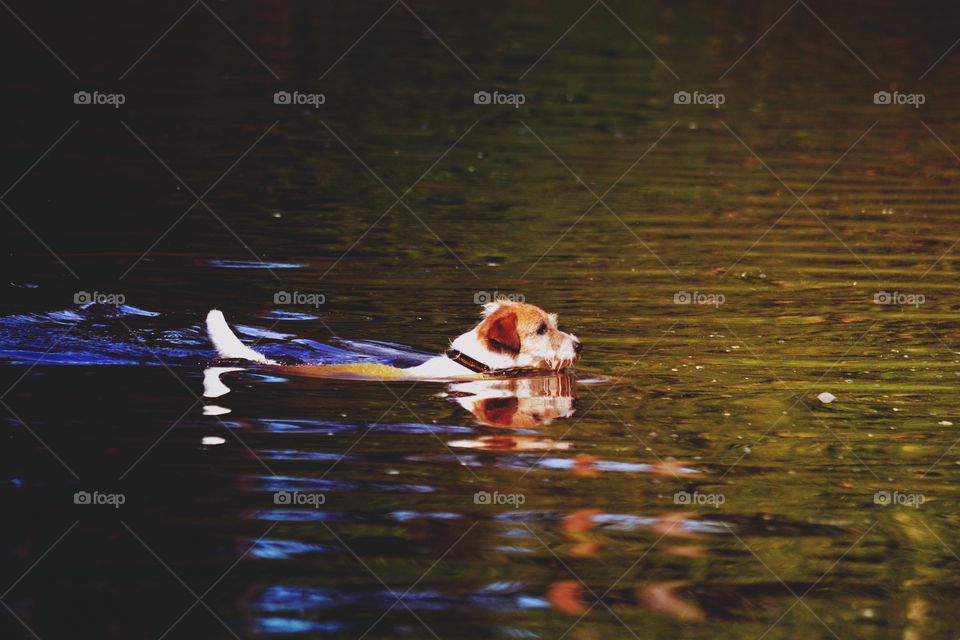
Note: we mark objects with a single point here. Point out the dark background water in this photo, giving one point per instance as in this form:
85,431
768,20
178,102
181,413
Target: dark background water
721,400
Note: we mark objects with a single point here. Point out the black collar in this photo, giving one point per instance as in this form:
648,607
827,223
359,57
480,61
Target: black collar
466,361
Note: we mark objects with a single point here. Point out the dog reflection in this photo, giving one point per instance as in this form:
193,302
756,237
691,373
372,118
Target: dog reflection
518,402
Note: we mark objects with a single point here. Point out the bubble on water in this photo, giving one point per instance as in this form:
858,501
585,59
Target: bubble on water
212,441
826,397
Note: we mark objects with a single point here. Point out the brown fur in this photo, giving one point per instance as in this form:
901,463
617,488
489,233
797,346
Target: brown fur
499,331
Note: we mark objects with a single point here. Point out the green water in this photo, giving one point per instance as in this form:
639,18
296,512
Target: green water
791,212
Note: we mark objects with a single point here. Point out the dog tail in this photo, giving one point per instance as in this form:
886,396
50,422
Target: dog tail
226,342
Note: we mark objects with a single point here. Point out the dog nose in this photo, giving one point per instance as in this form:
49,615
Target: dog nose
578,347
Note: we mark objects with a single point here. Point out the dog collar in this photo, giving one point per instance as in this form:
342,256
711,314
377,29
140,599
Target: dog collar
466,361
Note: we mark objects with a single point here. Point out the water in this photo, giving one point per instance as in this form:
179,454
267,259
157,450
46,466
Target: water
687,482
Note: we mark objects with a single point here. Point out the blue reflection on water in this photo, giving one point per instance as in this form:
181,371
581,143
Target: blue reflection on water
295,515
290,315
409,516
269,549
278,598
501,596
289,625
251,264
96,334
291,483
292,454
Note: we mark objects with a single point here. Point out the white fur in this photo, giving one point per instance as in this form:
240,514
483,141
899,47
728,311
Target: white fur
469,343
228,345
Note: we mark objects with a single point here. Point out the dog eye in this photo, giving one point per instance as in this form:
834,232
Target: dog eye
542,329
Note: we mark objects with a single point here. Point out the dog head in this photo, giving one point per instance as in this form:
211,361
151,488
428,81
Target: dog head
524,336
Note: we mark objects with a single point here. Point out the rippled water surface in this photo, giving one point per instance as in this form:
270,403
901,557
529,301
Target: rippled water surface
758,442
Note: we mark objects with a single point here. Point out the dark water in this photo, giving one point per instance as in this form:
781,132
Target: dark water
702,490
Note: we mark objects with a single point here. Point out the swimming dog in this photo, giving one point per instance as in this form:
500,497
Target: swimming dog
510,338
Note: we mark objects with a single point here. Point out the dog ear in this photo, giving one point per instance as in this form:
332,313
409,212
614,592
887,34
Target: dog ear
500,333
